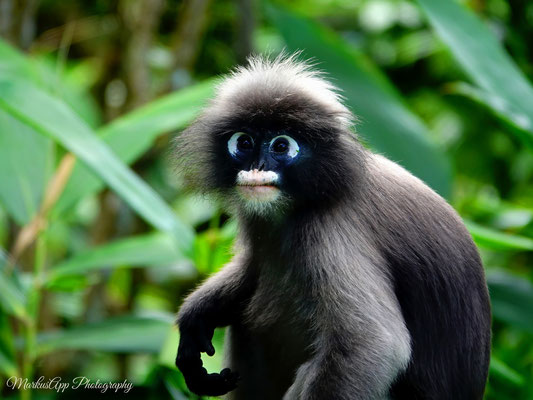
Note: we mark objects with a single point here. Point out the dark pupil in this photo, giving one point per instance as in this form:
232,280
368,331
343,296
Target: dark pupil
245,143
280,146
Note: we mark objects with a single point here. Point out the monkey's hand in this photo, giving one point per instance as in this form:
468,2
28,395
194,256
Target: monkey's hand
193,341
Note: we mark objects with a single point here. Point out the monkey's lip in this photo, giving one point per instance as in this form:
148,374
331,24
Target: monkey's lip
258,192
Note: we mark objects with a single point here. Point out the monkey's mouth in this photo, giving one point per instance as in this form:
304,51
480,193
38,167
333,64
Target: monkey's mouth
258,185
261,193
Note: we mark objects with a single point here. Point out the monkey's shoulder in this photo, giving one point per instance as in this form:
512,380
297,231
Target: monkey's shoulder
393,194
411,221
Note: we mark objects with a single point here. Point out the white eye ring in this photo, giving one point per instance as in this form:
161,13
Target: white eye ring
293,149
232,142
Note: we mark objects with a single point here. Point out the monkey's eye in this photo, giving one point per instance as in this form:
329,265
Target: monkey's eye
284,145
240,142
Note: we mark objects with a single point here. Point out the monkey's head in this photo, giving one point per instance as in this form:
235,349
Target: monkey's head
275,137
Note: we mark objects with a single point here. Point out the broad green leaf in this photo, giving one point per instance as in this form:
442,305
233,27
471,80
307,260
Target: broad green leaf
386,124
26,160
75,93
493,239
512,299
502,371
43,72
477,50
13,62
131,135
143,250
12,296
126,334
52,118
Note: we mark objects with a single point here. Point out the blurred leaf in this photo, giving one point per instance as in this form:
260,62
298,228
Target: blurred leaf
194,209
143,250
55,81
485,61
495,103
386,124
13,62
26,160
493,239
512,299
50,117
174,382
167,353
125,334
69,283
43,72
8,365
131,135
502,371
12,296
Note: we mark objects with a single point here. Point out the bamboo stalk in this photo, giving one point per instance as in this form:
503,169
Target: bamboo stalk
53,191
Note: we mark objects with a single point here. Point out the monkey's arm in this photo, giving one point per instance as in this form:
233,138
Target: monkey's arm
218,302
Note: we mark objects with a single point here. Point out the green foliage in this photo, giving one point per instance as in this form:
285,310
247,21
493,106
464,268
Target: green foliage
117,250
504,88
125,334
151,249
24,173
12,294
133,134
497,240
512,300
52,118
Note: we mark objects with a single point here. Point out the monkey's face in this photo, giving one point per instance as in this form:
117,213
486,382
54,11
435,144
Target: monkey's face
259,165
268,170
267,164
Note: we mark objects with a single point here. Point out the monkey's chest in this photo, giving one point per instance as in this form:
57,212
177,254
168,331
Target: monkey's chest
279,315
280,338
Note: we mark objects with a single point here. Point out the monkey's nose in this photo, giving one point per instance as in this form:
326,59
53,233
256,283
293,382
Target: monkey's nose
258,165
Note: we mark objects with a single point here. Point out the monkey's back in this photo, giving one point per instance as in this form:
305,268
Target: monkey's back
438,280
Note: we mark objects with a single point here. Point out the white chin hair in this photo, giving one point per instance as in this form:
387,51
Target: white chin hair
258,190
260,194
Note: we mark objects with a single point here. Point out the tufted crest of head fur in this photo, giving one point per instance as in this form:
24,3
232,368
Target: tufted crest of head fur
279,78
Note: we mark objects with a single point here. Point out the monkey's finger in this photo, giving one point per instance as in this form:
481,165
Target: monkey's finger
209,349
231,379
213,384
230,376
203,341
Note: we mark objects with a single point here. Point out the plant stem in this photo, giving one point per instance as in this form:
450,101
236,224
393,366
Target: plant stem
34,300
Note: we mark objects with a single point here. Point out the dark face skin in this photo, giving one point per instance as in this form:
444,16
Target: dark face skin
265,152
309,167
276,152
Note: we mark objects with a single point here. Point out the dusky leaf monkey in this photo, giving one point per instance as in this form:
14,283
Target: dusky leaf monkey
351,278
